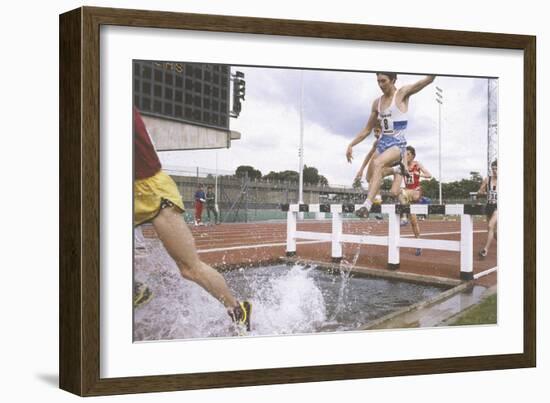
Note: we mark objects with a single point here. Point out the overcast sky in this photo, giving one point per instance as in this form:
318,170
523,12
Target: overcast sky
336,106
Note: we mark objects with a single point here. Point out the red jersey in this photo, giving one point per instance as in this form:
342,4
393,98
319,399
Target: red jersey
413,181
146,160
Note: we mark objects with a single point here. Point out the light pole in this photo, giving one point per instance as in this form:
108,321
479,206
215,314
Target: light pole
216,185
439,100
301,148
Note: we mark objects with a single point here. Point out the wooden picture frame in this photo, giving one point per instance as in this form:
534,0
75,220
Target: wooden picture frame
80,199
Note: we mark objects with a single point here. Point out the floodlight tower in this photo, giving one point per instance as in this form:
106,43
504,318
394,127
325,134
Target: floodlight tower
492,122
439,100
301,147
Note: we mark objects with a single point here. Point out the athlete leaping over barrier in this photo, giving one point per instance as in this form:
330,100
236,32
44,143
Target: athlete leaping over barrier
390,112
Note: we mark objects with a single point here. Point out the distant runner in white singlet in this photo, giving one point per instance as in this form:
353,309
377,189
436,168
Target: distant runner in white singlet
489,187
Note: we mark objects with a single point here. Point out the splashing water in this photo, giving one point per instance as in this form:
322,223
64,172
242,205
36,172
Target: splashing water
285,300
345,275
179,308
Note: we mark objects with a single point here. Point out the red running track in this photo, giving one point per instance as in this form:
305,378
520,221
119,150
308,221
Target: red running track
227,245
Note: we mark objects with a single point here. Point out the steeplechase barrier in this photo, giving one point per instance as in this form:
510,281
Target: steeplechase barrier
393,240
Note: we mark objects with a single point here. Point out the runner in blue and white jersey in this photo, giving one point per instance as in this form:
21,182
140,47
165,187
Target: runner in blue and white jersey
390,112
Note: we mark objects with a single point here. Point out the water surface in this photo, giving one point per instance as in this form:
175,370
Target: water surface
285,299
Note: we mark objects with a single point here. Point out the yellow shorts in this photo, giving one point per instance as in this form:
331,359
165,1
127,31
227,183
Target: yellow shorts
149,194
409,196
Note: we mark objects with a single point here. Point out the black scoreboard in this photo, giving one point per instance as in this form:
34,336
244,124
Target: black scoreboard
196,93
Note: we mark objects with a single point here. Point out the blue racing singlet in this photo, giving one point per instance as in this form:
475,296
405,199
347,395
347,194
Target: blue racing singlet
394,125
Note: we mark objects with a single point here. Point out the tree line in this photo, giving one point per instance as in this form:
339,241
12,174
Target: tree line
311,175
460,189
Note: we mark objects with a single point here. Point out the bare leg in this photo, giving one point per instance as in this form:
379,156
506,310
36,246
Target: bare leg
387,171
370,167
415,226
376,168
492,227
417,194
403,196
416,231
396,191
384,160
396,185
180,245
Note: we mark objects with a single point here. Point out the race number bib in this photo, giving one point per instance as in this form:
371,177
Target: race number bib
386,122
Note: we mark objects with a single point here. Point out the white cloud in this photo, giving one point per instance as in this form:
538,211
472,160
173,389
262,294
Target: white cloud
337,105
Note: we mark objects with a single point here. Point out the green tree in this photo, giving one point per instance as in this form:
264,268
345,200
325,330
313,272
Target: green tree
285,176
456,190
431,188
311,176
272,176
244,170
289,176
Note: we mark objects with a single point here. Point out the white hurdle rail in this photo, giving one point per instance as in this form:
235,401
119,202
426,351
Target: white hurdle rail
393,240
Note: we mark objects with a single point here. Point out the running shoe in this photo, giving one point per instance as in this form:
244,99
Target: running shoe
142,294
241,314
418,252
483,253
363,212
404,223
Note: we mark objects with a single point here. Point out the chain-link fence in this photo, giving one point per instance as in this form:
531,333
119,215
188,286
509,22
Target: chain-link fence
242,199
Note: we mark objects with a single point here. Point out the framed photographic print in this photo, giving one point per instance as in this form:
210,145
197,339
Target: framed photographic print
250,201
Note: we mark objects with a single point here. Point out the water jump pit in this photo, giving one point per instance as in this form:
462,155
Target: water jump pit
299,296
286,299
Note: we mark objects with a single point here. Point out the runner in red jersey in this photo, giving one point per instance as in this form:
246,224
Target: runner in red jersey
413,181
413,189
146,160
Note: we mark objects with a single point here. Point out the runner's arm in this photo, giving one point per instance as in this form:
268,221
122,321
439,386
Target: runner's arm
424,173
362,135
412,89
366,161
483,188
